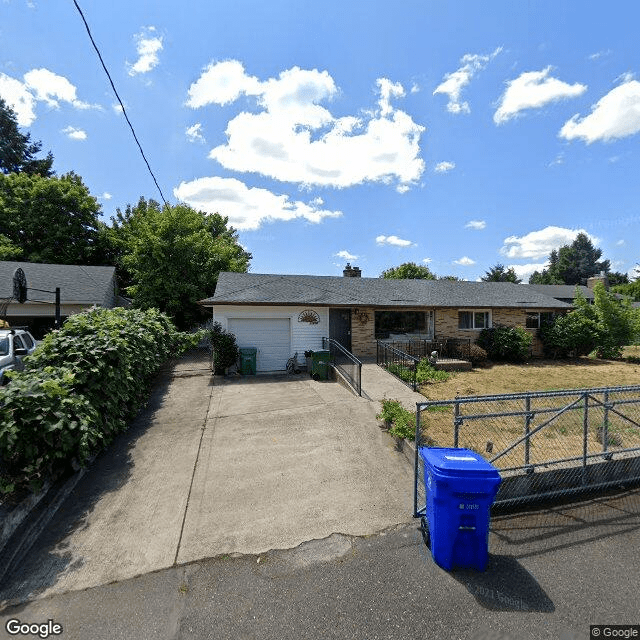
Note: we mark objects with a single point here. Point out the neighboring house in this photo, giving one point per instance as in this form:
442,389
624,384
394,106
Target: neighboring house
567,292
81,287
282,314
563,292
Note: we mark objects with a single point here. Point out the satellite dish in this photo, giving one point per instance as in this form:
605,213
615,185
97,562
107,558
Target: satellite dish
19,285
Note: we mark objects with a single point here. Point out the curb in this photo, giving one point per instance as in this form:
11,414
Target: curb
30,519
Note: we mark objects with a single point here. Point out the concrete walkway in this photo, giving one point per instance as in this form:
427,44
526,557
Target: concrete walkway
378,384
239,466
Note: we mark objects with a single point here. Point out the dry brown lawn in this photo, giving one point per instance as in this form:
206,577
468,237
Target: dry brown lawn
537,375
562,438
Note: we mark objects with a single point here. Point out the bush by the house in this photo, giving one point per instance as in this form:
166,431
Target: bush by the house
474,353
79,389
604,327
225,348
512,344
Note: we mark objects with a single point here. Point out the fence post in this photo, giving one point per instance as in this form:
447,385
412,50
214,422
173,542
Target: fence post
416,466
585,435
605,424
456,423
527,425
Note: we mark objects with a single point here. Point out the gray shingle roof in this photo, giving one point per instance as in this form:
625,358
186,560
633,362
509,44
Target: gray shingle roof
562,291
78,284
255,288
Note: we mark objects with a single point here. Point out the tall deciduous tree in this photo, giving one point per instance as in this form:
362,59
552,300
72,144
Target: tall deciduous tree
572,264
17,151
173,256
499,273
409,271
49,219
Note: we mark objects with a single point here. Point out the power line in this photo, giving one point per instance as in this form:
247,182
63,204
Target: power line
124,112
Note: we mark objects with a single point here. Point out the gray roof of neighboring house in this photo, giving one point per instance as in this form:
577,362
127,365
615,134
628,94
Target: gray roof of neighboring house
267,289
78,284
562,291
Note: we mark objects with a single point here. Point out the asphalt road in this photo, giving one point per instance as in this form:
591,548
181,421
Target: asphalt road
552,573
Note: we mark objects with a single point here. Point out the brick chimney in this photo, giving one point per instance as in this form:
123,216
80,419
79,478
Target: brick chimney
601,277
352,272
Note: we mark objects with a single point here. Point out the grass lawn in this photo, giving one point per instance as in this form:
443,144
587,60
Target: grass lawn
537,375
562,438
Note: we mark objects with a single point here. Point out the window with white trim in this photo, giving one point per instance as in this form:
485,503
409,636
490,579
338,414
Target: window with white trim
474,319
535,319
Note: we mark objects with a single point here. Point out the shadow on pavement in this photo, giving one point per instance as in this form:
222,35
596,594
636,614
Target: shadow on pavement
48,558
505,586
544,529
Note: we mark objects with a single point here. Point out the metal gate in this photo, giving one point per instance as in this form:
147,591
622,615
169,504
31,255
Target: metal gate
544,444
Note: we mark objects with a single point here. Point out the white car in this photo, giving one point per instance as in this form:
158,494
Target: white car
15,344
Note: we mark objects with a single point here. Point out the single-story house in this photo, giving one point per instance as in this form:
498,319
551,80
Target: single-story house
283,314
81,287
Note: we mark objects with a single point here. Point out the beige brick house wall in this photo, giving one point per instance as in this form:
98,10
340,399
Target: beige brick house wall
363,339
447,325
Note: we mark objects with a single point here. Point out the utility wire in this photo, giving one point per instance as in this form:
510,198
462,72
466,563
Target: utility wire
124,112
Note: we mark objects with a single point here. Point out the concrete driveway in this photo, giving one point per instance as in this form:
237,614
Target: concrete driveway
236,467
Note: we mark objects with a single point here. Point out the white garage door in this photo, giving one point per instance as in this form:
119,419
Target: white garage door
271,336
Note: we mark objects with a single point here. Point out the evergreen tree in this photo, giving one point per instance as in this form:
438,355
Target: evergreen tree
17,151
499,273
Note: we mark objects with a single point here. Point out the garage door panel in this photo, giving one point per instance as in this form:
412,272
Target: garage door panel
271,336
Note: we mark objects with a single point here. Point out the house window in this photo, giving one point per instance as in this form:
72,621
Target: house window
474,319
405,322
536,319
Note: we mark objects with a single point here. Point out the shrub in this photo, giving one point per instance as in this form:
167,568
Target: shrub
476,354
225,348
79,389
403,420
506,343
427,373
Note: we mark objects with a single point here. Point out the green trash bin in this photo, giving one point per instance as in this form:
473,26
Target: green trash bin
248,361
320,365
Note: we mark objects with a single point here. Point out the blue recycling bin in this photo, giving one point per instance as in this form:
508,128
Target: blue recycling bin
460,486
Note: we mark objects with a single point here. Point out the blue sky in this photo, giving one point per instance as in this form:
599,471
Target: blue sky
452,134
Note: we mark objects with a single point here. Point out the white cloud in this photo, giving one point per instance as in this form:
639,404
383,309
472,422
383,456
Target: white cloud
465,261
394,241
40,85
475,224
294,138
453,83
533,90
75,134
19,98
247,207
427,260
106,196
49,87
415,88
443,167
523,271
346,255
539,244
600,54
615,115
620,243
148,46
194,133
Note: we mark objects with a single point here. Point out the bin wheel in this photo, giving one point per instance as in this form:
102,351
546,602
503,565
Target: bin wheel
424,528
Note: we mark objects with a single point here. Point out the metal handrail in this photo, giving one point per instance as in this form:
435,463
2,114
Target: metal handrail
382,359
354,381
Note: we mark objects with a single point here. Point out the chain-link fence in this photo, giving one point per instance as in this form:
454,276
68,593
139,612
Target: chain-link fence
544,444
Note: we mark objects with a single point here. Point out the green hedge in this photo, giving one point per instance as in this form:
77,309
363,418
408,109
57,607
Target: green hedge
79,389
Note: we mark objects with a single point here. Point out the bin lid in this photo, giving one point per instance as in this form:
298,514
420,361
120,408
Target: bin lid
455,461
248,351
